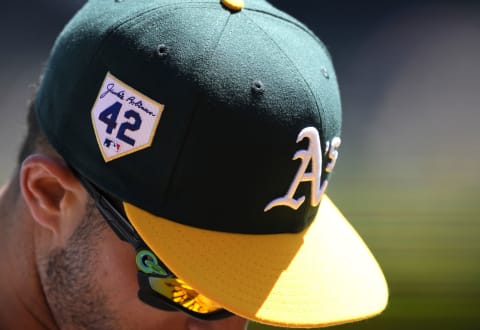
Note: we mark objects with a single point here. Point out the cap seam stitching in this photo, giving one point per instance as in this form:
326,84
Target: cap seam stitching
129,19
297,24
318,103
193,115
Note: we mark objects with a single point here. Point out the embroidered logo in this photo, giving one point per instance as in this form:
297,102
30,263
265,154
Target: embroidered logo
313,156
148,263
124,119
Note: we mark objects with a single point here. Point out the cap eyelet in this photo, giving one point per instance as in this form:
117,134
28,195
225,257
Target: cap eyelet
258,88
162,51
325,72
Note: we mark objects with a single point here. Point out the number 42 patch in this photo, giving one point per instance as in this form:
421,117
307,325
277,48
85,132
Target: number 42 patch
124,119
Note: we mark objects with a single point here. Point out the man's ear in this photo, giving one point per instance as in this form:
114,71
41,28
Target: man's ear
52,193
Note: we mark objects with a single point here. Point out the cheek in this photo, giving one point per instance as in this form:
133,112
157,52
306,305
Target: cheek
115,266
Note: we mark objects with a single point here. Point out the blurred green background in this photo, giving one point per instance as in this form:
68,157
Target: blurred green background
408,173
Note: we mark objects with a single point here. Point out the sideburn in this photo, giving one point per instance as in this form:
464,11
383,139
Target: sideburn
72,294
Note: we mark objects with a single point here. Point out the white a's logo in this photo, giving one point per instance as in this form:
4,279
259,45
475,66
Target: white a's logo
314,155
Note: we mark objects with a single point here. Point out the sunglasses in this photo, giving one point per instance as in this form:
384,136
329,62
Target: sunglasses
159,287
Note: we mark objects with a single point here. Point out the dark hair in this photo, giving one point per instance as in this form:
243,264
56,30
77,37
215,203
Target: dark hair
35,140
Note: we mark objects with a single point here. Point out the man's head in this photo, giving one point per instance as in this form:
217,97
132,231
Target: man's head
206,133
71,264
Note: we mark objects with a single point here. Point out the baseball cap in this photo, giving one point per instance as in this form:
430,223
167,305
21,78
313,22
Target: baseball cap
217,125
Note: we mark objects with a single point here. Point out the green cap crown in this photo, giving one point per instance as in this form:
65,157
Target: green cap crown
219,100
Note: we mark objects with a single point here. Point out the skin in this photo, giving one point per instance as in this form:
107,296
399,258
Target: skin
63,267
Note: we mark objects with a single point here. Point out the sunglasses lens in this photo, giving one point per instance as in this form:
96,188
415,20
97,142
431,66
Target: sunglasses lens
161,289
182,294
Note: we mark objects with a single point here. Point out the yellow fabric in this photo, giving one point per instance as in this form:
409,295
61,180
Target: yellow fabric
234,5
322,276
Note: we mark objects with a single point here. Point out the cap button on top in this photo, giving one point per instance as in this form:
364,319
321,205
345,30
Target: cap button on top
233,5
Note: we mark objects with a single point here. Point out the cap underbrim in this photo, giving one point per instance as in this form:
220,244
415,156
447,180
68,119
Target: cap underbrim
322,276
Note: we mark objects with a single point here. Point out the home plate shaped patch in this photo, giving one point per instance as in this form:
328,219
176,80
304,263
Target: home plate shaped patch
124,119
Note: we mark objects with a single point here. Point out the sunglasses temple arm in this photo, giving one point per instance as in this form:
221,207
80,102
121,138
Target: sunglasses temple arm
117,221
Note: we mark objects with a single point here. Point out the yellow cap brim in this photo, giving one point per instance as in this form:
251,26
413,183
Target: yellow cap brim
322,276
